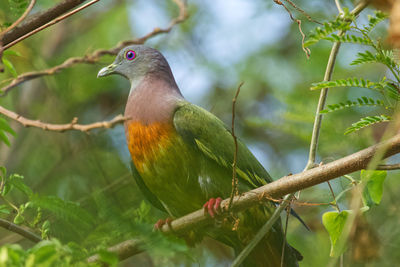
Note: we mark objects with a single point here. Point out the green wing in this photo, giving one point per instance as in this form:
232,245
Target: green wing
145,190
209,134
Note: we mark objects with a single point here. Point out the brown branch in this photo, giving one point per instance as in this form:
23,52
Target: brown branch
306,50
123,250
56,20
285,185
19,20
39,19
61,127
388,167
96,55
19,230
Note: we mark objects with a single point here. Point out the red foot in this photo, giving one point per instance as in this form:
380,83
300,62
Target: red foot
159,224
213,206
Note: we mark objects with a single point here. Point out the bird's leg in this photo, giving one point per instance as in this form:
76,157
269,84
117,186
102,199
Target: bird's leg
160,223
213,206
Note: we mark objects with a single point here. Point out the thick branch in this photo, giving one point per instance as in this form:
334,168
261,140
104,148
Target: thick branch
39,19
61,127
19,230
123,250
285,185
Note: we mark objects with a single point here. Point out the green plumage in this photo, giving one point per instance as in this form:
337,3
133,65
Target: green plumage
182,156
197,165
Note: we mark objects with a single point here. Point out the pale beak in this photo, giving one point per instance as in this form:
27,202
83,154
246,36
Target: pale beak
107,70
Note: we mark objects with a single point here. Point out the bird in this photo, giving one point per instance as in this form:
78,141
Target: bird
182,157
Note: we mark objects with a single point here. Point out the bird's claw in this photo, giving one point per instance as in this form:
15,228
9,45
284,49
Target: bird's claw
213,207
160,223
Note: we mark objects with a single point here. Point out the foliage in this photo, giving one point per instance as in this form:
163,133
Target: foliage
388,89
75,190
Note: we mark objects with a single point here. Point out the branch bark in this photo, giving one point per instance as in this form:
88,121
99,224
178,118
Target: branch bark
39,19
95,56
61,127
283,186
19,230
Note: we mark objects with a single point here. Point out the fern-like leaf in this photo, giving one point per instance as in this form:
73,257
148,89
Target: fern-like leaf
361,102
328,28
386,58
367,121
351,82
374,20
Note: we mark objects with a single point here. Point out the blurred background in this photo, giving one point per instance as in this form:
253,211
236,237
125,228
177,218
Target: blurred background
221,44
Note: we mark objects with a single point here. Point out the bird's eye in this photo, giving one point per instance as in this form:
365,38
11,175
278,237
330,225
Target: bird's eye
130,55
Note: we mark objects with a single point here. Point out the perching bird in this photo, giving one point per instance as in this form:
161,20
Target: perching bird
182,156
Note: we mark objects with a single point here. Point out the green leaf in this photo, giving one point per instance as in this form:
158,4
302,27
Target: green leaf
374,20
108,257
373,186
334,222
17,181
4,209
6,127
18,219
12,53
10,67
4,138
361,102
367,121
351,82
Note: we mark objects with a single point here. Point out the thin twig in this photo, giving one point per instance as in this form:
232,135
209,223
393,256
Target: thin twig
339,8
303,12
333,196
73,125
234,191
19,230
324,92
305,49
95,56
388,167
50,24
288,208
262,232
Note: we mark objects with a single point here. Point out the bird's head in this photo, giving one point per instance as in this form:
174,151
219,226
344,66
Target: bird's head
136,61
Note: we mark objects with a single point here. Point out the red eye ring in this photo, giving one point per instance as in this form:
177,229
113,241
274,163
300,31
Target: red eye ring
130,55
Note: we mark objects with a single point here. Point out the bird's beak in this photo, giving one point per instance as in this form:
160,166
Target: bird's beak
107,70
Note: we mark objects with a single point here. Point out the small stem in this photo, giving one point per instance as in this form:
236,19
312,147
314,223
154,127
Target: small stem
234,178
337,2
262,232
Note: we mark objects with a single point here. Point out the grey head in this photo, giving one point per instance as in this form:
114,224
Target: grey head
138,61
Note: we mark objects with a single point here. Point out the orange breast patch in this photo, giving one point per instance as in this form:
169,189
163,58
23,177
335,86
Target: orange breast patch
144,141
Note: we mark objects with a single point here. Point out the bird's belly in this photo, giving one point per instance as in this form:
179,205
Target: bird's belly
168,166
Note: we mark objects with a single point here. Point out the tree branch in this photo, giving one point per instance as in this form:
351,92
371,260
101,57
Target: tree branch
388,167
20,19
96,55
56,20
62,127
324,92
19,230
123,250
39,19
285,185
